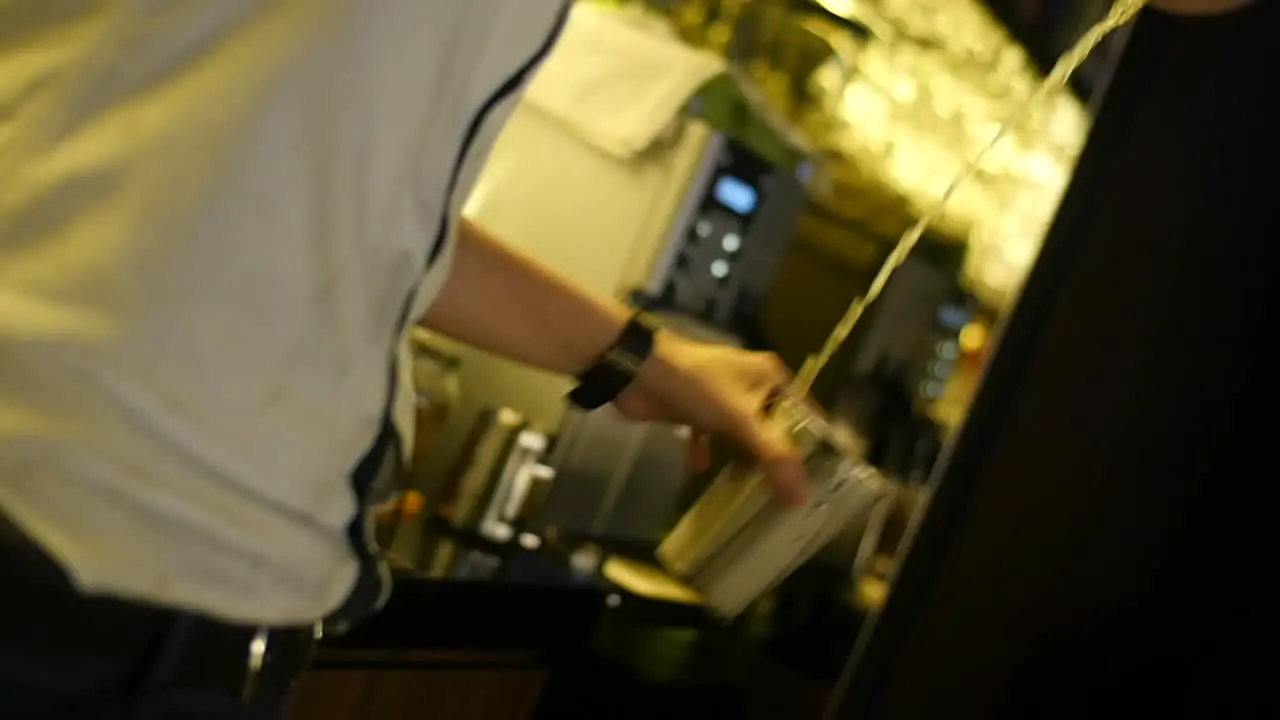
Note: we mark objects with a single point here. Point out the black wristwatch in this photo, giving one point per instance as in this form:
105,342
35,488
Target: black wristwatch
608,376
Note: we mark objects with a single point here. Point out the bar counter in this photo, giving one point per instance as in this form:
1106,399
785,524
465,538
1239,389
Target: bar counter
477,630
471,631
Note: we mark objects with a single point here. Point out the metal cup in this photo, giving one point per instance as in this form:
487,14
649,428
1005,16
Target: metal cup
736,542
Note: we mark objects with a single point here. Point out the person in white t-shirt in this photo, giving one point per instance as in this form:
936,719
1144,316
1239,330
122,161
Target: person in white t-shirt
218,221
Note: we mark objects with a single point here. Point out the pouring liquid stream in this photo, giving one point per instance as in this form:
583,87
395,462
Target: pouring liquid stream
1121,12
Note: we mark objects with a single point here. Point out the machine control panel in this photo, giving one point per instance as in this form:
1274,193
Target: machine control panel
727,248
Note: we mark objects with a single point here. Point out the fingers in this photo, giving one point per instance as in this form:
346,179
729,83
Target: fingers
770,444
768,441
782,466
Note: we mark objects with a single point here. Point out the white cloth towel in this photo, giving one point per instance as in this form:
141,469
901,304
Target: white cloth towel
616,83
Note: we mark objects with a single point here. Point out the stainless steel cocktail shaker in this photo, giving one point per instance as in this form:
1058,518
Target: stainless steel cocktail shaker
737,542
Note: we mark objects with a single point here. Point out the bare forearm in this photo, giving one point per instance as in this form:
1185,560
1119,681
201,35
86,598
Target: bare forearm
498,300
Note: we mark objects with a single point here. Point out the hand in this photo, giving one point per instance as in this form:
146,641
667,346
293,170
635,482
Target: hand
721,390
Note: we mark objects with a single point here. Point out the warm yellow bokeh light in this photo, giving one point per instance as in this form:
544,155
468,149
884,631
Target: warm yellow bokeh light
973,337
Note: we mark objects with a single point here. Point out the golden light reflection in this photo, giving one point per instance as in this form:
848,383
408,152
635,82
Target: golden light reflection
928,94
900,112
973,338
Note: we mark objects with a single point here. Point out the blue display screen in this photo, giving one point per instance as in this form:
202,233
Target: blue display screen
953,317
736,195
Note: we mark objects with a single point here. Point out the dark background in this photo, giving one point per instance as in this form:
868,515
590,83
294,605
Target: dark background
1110,459
1047,28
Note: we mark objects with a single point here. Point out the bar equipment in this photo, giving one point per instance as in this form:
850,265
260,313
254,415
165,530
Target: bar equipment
737,542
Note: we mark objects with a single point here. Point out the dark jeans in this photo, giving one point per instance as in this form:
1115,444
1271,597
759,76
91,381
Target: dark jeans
64,656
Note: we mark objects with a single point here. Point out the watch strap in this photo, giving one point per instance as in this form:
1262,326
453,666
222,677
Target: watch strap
608,376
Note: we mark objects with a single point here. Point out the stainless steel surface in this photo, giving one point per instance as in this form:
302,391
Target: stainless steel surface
528,498
510,484
615,479
477,474
736,542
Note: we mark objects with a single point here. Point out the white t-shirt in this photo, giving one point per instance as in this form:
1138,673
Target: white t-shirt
212,215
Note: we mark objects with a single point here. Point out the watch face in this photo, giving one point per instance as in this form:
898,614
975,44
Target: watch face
623,361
